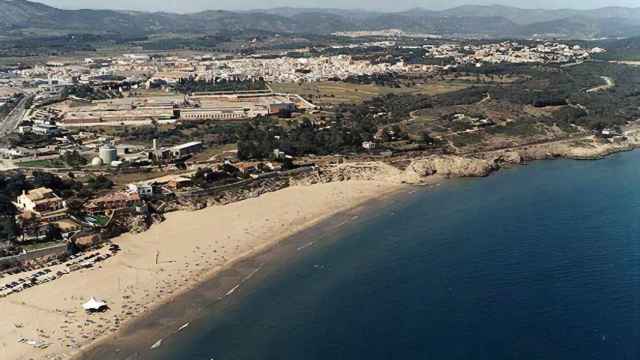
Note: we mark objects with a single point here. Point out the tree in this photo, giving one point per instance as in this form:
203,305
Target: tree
8,229
14,185
64,187
99,182
73,159
201,177
48,180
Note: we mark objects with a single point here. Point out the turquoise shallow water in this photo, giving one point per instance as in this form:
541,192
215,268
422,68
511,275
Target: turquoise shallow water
537,262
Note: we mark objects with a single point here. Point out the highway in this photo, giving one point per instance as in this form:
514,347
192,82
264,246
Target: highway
13,119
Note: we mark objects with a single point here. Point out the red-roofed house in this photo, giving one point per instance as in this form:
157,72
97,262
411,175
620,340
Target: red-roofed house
114,201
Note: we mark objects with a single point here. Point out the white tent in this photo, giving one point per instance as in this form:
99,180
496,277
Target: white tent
94,305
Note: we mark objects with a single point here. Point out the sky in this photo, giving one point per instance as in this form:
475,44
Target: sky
184,6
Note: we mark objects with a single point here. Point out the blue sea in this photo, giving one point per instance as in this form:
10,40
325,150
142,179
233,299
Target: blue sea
534,262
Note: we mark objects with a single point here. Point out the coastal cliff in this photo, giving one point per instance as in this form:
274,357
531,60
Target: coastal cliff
429,169
416,171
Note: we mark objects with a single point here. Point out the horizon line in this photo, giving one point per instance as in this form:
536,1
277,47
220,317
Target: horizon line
382,11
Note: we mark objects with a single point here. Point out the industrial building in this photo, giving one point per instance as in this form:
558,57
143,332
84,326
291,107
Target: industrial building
90,116
174,152
220,114
189,148
143,110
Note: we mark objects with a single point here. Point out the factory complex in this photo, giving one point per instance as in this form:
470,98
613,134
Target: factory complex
197,107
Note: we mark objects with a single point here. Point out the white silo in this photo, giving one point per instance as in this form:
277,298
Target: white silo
96,161
108,153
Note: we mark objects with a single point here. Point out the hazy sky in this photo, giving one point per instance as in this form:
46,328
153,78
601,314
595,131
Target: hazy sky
197,5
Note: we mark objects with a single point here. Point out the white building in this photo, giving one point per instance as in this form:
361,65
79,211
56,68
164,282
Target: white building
143,189
42,202
368,145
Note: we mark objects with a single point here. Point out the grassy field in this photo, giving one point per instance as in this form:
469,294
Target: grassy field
210,152
120,180
332,92
45,163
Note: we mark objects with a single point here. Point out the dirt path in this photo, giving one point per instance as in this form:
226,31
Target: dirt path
609,83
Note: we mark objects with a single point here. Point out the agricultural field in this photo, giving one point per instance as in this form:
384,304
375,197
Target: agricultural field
333,92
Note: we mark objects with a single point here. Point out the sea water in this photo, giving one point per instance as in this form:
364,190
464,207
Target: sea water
535,262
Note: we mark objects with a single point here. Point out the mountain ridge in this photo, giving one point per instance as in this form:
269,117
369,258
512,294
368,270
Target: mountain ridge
24,17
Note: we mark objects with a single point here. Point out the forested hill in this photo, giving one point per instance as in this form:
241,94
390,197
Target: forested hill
22,17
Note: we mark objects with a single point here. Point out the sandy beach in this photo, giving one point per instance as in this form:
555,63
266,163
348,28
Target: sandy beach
190,247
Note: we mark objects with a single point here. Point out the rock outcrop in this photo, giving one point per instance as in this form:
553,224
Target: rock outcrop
407,170
450,166
417,171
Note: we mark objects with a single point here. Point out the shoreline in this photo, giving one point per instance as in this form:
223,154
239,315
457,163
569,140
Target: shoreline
146,324
134,287
344,188
142,335
154,331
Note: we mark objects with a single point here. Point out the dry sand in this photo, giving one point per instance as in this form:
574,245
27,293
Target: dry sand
191,246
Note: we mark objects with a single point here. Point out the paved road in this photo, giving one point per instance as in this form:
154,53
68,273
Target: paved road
13,119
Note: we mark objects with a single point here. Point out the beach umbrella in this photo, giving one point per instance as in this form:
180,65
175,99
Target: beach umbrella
94,305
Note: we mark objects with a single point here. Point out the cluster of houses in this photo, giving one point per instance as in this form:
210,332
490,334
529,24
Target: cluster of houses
41,212
42,122
512,52
142,68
